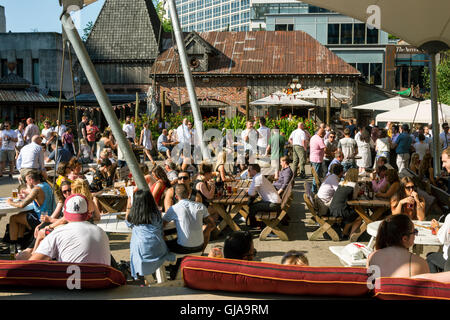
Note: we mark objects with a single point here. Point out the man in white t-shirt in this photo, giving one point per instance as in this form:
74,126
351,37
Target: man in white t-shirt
349,148
189,217
299,141
328,188
8,139
47,135
129,129
79,241
264,135
271,200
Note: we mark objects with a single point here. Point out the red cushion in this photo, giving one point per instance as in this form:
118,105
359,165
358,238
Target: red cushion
411,289
249,276
56,274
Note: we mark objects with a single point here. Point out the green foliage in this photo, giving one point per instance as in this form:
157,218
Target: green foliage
166,23
443,79
87,31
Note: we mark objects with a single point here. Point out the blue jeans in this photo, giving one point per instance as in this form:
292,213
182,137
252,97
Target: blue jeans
349,165
318,167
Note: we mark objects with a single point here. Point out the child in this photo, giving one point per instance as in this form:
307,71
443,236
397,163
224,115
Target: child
293,257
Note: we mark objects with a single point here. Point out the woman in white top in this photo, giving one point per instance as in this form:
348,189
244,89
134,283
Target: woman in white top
20,141
146,141
383,145
364,143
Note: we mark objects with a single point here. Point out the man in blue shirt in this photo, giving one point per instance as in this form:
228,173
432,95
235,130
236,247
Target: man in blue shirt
64,155
402,147
352,128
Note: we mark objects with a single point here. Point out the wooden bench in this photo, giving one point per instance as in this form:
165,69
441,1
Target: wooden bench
273,219
325,222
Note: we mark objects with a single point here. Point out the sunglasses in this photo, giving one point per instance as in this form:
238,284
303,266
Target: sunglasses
415,232
183,178
410,187
66,191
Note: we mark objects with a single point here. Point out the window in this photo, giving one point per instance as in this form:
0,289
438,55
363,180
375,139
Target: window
200,4
333,33
346,33
208,25
359,33
208,3
199,27
226,22
235,19
372,35
364,69
192,18
35,71
184,8
192,6
208,13
216,11
245,4
245,17
216,2
376,70
284,27
4,68
226,9
314,9
245,28
234,6
216,24
200,15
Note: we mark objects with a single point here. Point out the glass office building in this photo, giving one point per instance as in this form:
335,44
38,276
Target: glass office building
214,15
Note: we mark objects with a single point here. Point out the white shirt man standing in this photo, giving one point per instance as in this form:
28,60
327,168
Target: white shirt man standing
264,135
31,130
299,141
8,140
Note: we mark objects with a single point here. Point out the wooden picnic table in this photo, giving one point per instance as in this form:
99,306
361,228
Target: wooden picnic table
111,201
363,207
230,205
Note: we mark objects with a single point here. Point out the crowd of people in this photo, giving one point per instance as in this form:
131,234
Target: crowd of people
397,162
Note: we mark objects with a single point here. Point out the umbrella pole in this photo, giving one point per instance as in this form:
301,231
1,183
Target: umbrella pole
434,116
103,100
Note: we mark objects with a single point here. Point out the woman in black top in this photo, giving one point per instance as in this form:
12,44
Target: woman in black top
347,190
102,175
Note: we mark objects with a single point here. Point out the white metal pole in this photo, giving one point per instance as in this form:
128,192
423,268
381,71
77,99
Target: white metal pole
435,117
103,100
188,77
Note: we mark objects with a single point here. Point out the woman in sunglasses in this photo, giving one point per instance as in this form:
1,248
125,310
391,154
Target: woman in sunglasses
48,223
391,257
408,201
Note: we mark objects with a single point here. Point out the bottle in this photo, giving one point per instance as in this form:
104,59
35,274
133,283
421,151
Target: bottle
12,251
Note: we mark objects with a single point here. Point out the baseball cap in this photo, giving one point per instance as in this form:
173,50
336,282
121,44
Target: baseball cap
76,208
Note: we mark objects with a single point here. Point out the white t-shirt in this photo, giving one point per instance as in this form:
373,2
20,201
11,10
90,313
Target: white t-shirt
6,136
20,142
348,147
252,141
298,136
263,140
328,188
188,216
47,133
421,148
264,188
78,242
383,145
129,129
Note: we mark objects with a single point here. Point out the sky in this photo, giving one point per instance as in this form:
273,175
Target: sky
43,15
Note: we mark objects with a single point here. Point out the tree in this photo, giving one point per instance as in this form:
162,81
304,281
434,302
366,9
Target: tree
87,30
166,23
443,78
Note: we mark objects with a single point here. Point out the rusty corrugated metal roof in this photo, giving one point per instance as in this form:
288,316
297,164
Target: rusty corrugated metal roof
263,52
20,96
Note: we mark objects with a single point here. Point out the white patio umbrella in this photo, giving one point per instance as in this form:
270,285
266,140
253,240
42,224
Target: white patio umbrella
318,93
386,104
281,99
418,112
422,23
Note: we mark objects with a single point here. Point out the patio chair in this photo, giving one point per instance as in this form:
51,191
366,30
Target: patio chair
325,222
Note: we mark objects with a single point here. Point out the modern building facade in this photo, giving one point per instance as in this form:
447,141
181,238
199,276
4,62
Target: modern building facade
214,15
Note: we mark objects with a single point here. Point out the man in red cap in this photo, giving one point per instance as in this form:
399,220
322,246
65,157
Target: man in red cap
78,241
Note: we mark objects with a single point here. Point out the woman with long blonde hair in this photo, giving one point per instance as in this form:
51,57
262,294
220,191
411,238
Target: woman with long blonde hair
81,186
347,190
